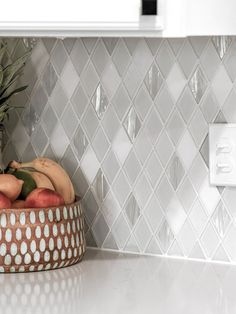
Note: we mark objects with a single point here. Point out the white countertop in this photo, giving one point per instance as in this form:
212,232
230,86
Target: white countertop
112,283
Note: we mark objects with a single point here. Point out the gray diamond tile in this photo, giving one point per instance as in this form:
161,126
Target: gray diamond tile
187,59
90,122
58,99
100,144
59,57
19,138
132,167
142,102
175,127
110,43
121,231
164,192
89,79
110,79
186,104
199,44
132,79
153,169
99,101
176,44
49,79
221,219
154,44
221,44
29,153
154,213
80,142
39,140
153,125
100,57
175,171
80,183
121,188
59,140
142,57
69,43
165,236
164,104
229,107
39,100
100,186
110,123
142,190
132,210
153,81
209,107
204,150
100,230
121,101
90,206
30,120
131,44
164,148
142,233
121,57
175,215
69,78
132,124
221,84
69,161
165,58
79,101
210,61
110,208
79,56
69,121
198,127
198,84
49,120
186,194
89,43
110,166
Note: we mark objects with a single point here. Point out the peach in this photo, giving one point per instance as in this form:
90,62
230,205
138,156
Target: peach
4,201
42,197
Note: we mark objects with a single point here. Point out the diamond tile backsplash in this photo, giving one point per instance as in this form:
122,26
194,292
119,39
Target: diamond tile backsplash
128,119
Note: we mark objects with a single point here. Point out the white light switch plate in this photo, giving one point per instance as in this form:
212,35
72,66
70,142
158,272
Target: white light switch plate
222,154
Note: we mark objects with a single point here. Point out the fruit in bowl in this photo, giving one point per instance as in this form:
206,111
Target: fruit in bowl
39,183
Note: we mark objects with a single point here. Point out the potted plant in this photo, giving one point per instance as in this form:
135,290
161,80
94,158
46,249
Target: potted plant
10,72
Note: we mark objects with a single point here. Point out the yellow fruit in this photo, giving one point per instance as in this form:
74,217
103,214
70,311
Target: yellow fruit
58,176
41,180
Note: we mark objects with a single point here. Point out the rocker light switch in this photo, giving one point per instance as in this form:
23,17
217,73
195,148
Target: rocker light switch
222,154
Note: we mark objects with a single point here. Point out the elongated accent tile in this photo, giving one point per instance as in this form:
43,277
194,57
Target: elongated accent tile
132,124
198,84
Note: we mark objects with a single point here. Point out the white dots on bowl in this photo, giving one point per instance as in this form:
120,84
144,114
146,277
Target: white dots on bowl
38,232
65,214
27,259
58,214
73,226
23,248
71,213
12,269
3,220
40,267
75,252
32,217
75,211
48,266
7,260
69,253
31,268
18,259
21,269
50,215
54,230
78,225
46,256
36,256
3,249
33,246
59,243
62,229
72,241
12,219
42,216
22,218
68,227
8,235
55,265
28,233
77,239
2,269
66,241
46,231
42,245
63,254
51,244
13,249
55,255
18,234
80,250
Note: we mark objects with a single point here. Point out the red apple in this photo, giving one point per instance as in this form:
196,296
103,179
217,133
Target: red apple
4,201
42,197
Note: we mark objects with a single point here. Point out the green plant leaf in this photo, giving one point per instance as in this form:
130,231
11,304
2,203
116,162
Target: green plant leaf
3,92
4,99
2,52
13,69
1,75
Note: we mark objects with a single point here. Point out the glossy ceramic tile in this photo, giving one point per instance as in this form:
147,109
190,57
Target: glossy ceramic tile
128,119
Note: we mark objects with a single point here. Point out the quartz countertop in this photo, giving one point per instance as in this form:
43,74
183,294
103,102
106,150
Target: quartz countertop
112,283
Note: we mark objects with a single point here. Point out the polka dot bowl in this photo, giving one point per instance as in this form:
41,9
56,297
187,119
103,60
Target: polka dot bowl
35,239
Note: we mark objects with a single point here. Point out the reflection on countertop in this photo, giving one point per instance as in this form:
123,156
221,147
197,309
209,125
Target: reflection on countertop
112,283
